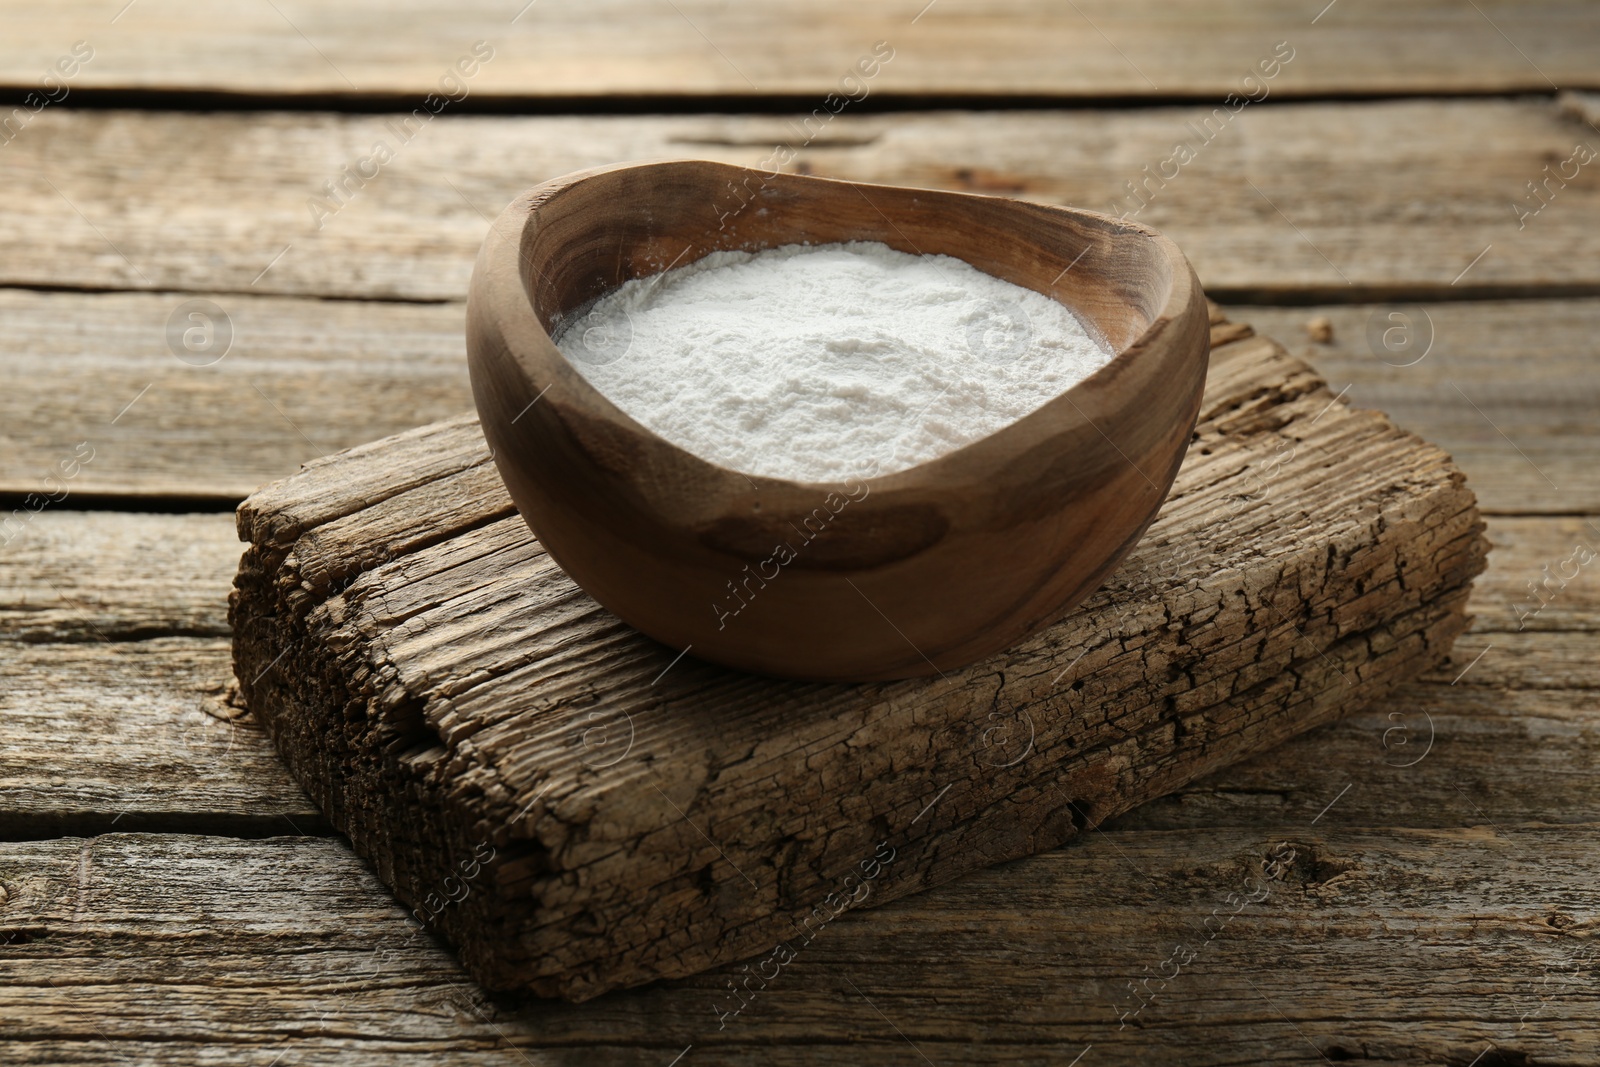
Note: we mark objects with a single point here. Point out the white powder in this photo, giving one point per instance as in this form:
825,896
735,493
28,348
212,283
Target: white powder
818,363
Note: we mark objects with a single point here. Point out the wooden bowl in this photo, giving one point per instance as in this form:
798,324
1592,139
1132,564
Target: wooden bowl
887,576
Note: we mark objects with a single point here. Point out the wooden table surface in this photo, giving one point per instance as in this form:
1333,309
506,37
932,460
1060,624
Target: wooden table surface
168,895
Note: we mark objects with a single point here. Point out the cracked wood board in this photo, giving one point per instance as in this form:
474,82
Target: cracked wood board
456,705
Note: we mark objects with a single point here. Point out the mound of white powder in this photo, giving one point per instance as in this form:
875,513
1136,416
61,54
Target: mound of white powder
824,362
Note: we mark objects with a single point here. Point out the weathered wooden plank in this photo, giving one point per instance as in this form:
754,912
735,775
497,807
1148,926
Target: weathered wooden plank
1399,946
697,48
1530,660
434,681
1508,388
87,590
132,735
299,379
1373,198
112,577
344,372
106,576
114,684
1429,755
1550,553
111,736
116,737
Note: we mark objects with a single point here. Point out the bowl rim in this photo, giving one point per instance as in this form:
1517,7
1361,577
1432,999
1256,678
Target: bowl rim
515,317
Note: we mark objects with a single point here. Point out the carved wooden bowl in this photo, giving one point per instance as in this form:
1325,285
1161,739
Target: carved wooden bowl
891,576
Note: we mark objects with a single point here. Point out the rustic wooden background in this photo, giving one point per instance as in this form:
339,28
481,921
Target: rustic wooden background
168,895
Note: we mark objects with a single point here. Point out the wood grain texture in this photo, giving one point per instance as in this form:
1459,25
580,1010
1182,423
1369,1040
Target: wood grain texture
1372,199
1403,947
1585,107
1508,388
114,684
1518,727
1537,591
136,735
346,372
1432,944
963,554
109,737
108,577
439,685
696,48
116,576
301,378
94,689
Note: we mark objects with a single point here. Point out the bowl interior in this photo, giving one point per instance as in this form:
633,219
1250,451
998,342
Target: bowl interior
592,235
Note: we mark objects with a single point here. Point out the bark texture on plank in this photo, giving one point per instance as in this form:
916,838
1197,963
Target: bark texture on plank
111,667
108,729
134,735
439,687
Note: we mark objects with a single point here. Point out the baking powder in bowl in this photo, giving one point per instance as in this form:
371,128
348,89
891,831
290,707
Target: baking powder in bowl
823,362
